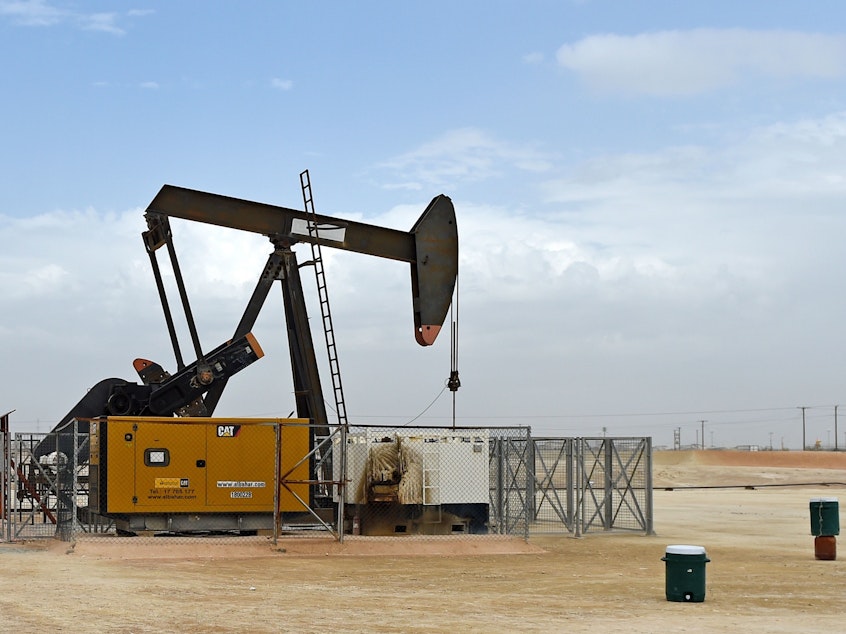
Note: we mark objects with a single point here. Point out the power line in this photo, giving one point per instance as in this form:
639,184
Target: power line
619,415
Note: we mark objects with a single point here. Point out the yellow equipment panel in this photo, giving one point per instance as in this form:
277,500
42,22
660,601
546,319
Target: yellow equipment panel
238,475
169,471
199,465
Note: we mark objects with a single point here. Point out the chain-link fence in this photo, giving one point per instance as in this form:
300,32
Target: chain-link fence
434,481
273,478
30,502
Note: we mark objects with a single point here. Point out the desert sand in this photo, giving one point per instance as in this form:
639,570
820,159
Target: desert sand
749,510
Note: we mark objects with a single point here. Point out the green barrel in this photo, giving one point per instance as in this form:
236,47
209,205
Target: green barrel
685,573
825,516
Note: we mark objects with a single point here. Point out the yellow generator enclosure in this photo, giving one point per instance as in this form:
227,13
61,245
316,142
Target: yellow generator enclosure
152,466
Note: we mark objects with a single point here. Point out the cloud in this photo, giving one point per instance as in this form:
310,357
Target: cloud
686,277
462,155
39,13
39,280
32,12
679,63
740,207
683,279
282,84
105,22
144,85
30,272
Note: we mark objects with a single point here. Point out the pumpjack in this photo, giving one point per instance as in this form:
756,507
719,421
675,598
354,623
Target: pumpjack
194,390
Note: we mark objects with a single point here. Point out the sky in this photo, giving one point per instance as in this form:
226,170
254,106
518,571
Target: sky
650,201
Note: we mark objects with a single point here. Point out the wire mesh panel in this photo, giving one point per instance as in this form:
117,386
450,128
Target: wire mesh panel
614,478
32,505
434,481
554,489
512,475
72,483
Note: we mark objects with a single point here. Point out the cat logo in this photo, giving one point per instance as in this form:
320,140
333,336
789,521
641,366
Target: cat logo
228,431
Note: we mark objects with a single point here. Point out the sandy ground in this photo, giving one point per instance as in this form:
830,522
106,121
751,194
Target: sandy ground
762,577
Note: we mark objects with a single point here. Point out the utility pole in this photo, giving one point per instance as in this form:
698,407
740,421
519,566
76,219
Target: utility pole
803,426
835,428
702,422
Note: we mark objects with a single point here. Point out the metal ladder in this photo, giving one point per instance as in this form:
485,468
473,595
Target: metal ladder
323,294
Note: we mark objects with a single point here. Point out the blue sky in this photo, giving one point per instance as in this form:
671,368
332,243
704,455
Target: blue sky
649,196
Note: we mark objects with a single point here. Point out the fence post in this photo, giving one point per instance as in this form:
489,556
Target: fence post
608,493
650,529
341,487
529,505
277,481
6,482
568,494
500,487
531,477
578,485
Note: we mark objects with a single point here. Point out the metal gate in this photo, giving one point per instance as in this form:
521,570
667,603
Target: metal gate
511,479
30,488
615,477
581,485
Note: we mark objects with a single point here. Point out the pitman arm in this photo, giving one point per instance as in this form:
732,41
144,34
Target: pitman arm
431,247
